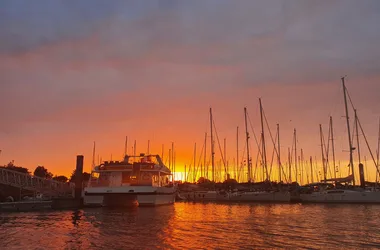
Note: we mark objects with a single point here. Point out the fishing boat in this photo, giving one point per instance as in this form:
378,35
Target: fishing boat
332,190
141,180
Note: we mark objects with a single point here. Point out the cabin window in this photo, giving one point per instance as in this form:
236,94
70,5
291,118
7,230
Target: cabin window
95,175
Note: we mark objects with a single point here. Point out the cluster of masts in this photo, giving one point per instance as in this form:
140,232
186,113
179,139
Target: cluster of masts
296,169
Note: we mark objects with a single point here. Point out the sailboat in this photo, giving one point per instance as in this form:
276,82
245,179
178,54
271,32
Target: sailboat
330,193
268,195
210,194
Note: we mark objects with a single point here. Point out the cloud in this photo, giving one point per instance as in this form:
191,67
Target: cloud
79,68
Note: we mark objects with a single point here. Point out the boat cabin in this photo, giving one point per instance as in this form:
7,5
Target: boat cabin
132,171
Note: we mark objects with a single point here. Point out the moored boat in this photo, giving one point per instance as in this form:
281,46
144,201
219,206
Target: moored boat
137,180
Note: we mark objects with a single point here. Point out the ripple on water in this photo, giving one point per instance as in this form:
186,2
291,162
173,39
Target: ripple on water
196,226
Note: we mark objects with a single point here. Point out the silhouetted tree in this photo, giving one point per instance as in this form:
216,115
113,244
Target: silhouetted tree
42,172
203,180
85,176
11,166
60,178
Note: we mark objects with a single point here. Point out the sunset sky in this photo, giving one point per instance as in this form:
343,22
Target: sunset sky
75,72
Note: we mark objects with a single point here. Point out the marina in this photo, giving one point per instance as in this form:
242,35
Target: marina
181,124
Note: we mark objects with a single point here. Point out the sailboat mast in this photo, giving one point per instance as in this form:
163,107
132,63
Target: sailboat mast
237,154
173,164
148,146
264,154
204,157
301,166
247,142
279,153
349,132
311,169
323,154
378,153
126,146
357,135
93,157
195,156
212,149
225,158
290,166
295,154
332,144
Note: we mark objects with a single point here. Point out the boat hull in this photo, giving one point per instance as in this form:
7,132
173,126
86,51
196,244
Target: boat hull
238,196
341,197
120,197
260,197
205,196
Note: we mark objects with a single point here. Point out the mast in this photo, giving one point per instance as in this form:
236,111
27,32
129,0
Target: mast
295,154
225,158
349,132
301,165
212,149
279,155
332,144
247,142
357,135
93,157
126,146
378,148
311,169
323,154
148,146
237,154
173,163
204,157
264,154
195,156
134,149
290,166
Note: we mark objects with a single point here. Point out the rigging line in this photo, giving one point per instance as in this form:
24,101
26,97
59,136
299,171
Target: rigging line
271,164
254,134
327,163
220,148
369,148
256,164
273,141
199,161
242,161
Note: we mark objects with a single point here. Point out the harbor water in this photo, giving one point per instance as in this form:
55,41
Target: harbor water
187,225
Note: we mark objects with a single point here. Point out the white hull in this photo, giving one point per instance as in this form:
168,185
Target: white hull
261,196
142,196
238,196
205,196
342,196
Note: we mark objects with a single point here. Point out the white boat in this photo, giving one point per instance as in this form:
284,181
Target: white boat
260,196
137,180
206,195
342,196
352,194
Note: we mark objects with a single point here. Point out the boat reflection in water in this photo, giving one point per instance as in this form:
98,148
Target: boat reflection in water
137,180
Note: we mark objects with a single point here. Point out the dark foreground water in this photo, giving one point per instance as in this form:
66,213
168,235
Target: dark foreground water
196,226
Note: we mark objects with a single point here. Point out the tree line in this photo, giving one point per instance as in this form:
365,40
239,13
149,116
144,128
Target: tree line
41,171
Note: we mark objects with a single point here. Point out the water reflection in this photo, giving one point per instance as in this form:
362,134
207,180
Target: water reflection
196,226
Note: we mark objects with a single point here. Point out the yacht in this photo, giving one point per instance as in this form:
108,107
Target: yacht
136,181
328,194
